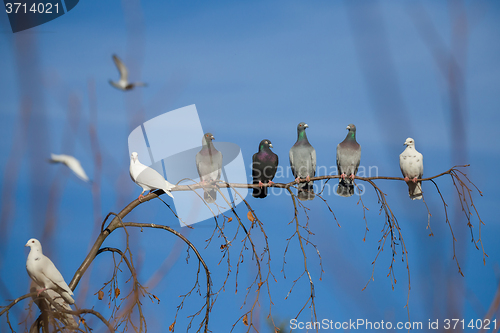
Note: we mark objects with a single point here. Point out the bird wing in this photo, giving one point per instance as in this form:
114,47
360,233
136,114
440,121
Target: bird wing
151,179
77,168
50,271
121,68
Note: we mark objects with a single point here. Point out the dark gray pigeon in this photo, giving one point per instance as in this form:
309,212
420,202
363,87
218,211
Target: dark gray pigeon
264,166
209,165
303,163
348,157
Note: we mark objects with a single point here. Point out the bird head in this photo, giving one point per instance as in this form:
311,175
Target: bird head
265,143
302,126
351,127
409,142
34,244
134,156
207,138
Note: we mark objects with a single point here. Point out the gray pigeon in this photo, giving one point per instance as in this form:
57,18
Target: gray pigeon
411,163
209,165
303,163
264,166
348,157
44,273
123,83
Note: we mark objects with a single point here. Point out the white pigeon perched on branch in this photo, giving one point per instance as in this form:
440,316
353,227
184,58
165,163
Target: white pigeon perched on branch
44,273
412,167
123,83
147,178
209,166
72,163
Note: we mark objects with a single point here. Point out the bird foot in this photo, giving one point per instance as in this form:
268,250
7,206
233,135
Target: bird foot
407,179
308,179
352,177
39,291
260,184
343,175
297,180
140,197
414,180
271,182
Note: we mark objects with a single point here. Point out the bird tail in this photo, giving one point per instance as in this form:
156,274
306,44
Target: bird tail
346,187
415,190
305,191
67,297
210,195
259,192
167,189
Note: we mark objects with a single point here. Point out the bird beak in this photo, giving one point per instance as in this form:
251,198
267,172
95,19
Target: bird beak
271,145
213,137
348,127
26,245
306,126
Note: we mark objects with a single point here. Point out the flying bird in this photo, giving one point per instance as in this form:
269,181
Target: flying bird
209,165
303,163
123,83
44,273
72,163
147,178
411,163
264,166
348,158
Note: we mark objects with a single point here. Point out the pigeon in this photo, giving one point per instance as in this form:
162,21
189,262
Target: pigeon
264,166
411,163
303,163
44,305
348,157
44,273
209,165
147,178
72,163
123,83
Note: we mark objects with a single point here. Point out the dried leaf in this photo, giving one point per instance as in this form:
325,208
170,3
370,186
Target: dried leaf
100,295
171,327
229,219
156,298
245,318
223,246
117,292
250,216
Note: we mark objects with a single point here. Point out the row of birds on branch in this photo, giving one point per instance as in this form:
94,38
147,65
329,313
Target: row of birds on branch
265,164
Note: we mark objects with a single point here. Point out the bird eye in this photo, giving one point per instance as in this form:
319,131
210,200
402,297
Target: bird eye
32,241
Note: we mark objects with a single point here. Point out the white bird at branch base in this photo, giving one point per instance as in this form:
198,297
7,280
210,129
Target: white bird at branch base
44,273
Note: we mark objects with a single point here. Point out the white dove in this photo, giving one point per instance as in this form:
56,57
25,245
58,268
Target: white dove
72,163
147,178
123,83
44,273
412,167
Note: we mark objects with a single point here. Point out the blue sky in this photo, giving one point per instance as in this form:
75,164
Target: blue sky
255,70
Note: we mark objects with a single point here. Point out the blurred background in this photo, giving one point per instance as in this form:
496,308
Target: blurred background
422,69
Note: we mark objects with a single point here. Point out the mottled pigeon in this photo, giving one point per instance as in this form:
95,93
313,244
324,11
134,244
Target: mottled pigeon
72,163
264,166
411,163
147,178
209,165
348,157
303,163
44,273
123,83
